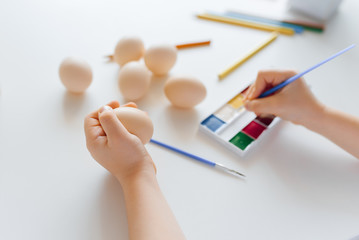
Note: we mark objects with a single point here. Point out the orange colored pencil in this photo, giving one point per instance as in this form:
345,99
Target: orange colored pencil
194,44
179,46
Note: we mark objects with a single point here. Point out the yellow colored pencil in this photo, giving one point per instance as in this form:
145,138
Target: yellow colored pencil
228,70
284,30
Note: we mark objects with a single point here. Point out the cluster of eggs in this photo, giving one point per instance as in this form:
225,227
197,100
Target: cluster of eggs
134,81
135,77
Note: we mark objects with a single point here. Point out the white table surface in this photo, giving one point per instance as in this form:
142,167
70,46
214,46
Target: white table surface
299,185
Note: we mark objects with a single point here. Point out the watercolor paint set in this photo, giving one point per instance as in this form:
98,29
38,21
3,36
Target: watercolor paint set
235,127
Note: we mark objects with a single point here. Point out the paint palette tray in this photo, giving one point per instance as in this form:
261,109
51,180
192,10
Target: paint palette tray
235,127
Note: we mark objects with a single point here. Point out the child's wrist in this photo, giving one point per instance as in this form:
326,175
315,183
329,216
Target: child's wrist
137,183
315,117
147,174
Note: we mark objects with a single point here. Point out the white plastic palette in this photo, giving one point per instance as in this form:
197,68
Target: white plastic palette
236,128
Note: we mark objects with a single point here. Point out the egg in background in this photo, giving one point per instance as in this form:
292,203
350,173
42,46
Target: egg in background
184,91
160,59
75,74
134,80
128,49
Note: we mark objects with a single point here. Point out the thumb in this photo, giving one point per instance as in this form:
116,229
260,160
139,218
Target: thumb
112,127
267,105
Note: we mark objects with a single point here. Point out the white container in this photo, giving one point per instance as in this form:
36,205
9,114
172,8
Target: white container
319,9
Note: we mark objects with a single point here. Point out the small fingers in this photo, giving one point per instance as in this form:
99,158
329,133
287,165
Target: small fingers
248,92
92,125
130,104
113,104
263,106
267,79
112,127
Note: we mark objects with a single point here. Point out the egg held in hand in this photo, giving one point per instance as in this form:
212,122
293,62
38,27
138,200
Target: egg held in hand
184,92
136,122
160,59
128,49
134,80
75,74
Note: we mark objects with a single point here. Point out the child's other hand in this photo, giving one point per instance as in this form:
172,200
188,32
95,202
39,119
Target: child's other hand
111,145
295,102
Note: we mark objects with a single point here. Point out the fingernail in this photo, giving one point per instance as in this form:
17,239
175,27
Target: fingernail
250,94
132,104
105,108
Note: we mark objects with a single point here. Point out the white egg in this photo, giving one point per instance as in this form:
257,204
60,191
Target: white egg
160,59
136,122
128,49
134,80
75,74
184,92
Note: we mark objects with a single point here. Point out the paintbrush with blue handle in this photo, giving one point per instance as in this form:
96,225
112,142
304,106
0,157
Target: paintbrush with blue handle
295,77
202,160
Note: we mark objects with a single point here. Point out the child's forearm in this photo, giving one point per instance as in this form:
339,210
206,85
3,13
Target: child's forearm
149,216
339,127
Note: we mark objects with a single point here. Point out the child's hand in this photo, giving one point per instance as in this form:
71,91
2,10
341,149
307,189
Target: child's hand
111,145
294,102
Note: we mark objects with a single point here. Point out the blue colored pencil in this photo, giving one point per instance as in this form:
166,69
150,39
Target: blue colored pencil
202,160
295,77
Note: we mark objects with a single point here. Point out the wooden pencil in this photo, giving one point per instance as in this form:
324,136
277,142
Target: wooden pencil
228,70
283,30
193,44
